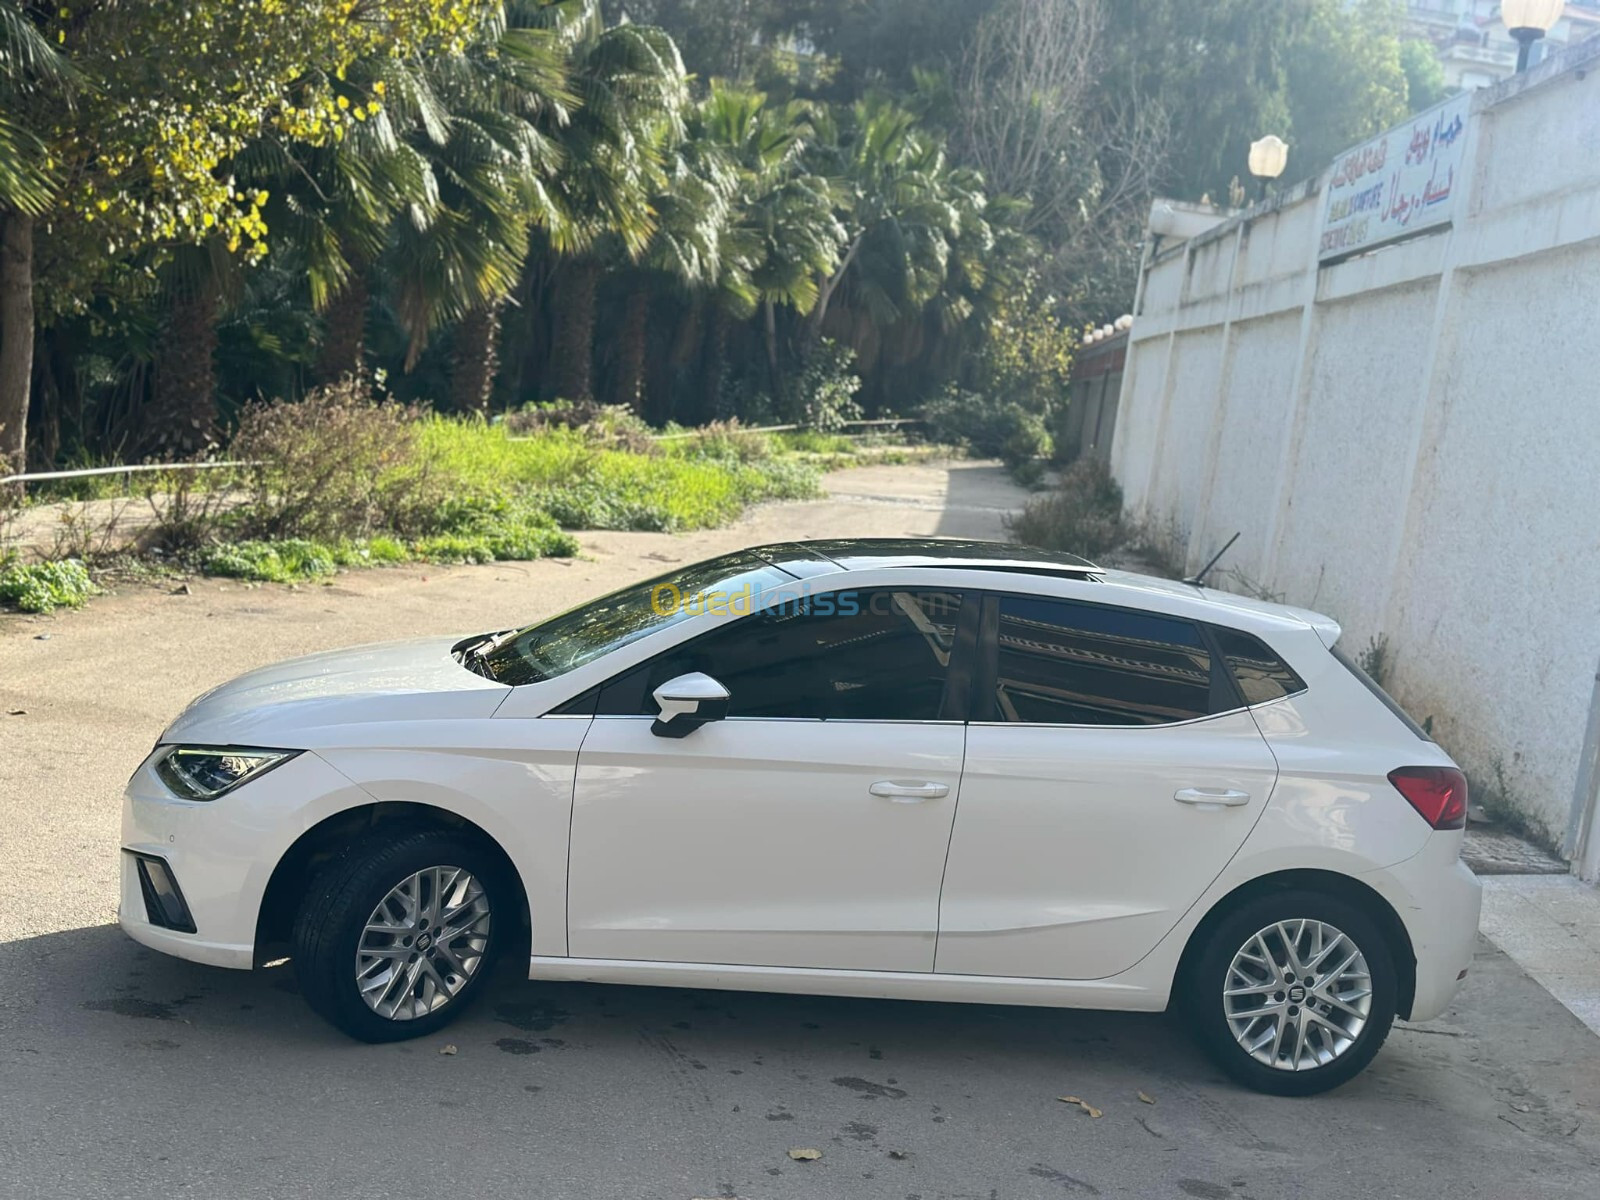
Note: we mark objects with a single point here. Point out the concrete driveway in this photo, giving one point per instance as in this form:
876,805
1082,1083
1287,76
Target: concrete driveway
124,1073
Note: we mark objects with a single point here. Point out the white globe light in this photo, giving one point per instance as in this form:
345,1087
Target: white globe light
1531,14
1268,157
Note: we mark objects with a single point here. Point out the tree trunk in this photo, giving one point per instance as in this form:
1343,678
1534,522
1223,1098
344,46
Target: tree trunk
773,374
635,343
16,338
476,359
182,419
716,372
345,338
575,331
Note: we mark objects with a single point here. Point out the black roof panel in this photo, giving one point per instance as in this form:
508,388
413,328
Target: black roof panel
825,555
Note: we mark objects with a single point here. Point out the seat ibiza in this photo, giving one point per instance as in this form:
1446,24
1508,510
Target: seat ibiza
944,770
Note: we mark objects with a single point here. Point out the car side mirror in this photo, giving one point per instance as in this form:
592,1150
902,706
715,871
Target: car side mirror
686,703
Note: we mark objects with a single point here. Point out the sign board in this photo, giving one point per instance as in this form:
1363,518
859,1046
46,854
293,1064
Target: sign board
1398,184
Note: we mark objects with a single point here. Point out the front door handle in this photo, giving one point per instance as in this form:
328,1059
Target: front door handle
909,793
1211,797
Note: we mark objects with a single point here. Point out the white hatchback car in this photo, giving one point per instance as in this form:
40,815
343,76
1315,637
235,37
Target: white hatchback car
923,769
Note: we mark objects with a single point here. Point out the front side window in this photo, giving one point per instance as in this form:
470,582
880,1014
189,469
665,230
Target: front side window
879,655
1064,663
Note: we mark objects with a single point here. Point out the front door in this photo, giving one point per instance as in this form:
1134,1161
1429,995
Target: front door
1110,775
807,829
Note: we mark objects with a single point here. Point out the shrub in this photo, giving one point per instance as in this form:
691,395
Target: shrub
725,441
1083,515
825,392
337,464
287,561
1002,429
612,425
47,586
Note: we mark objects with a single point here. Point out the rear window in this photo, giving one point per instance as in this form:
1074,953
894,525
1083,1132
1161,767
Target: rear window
1371,685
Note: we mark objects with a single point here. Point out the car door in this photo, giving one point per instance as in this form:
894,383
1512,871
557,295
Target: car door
1111,773
806,829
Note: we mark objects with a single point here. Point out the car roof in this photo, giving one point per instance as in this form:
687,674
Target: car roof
827,555
809,559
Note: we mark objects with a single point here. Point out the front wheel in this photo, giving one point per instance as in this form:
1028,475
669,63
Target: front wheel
1293,993
394,939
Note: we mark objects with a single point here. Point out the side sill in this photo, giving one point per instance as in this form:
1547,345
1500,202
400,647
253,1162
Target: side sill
877,985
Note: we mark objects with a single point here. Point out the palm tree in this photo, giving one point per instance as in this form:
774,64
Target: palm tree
485,141
631,88
29,65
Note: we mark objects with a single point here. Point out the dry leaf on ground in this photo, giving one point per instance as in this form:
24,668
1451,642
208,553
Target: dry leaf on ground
1144,1099
1083,1104
805,1154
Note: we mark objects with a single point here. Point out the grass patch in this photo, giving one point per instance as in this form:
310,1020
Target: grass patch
1082,516
46,586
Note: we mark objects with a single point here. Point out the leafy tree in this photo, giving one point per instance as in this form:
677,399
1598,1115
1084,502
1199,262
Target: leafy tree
1425,83
1345,80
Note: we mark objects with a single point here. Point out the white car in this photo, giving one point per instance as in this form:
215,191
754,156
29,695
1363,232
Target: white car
920,769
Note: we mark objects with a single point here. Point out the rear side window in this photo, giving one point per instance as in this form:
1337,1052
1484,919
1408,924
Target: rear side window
1259,673
1061,663
1371,685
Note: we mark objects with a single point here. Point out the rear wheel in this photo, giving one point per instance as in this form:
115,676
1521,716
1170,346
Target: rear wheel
1294,992
395,939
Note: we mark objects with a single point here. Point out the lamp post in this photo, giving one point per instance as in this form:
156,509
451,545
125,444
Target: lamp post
1528,21
1268,157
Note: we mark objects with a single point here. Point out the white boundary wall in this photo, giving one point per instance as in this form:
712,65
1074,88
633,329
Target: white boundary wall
1408,440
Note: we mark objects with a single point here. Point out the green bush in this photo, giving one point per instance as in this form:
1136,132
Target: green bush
287,561
47,586
1083,515
1002,429
825,393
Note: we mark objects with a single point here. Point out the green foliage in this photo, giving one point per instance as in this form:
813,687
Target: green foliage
45,587
1345,80
825,393
1425,82
990,426
289,560
1083,515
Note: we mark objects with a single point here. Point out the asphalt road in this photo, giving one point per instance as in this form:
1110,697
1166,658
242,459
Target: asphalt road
125,1073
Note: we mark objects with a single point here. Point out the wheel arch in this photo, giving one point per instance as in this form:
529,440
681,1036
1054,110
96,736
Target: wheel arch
333,835
1346,888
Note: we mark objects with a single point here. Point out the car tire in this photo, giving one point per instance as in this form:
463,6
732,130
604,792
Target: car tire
382,976
1260,955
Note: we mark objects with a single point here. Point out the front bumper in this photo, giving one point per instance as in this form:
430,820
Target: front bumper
221,854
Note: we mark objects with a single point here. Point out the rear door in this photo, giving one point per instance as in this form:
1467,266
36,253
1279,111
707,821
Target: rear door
808,828
1111,773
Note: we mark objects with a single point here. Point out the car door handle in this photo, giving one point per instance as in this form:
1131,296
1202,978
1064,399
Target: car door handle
909,793
1218,797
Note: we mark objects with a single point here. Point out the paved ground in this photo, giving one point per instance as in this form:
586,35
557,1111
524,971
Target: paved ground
124,1073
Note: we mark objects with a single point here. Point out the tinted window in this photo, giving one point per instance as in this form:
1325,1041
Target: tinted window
1061,663
1260,674
869,655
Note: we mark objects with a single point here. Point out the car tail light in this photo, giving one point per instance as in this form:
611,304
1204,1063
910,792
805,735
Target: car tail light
1438,793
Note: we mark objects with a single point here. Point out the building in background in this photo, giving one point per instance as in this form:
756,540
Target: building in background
1472,41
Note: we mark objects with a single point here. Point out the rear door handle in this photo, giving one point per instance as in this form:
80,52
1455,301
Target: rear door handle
1212,797
909,793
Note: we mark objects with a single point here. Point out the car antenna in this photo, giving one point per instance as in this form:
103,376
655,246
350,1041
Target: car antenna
1199,577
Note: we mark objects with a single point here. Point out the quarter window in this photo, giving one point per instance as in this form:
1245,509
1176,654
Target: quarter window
1260,674
847,655
1062,663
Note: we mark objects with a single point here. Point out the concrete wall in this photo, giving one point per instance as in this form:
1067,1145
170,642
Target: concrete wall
1409,439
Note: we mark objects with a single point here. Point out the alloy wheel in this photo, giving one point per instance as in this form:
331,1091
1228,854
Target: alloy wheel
1297,995
423,943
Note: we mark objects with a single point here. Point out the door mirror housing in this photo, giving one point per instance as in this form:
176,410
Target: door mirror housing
687,702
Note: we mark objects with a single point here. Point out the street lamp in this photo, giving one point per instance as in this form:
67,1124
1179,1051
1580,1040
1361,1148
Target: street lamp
1528,21
1268,157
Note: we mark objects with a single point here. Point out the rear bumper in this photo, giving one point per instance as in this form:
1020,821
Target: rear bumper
1438,899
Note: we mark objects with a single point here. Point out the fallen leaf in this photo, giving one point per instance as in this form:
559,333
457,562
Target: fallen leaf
17,712
1144,1099
898,1154
1083,1104
805,1155
448,1050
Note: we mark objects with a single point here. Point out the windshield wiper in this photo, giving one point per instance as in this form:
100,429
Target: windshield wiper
475,654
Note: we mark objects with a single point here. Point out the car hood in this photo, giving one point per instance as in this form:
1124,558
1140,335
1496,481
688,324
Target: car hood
411,680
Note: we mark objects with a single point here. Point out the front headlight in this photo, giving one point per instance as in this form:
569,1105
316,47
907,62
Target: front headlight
206,772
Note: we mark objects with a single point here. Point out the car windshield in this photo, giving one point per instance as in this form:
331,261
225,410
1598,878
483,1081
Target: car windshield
602,626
